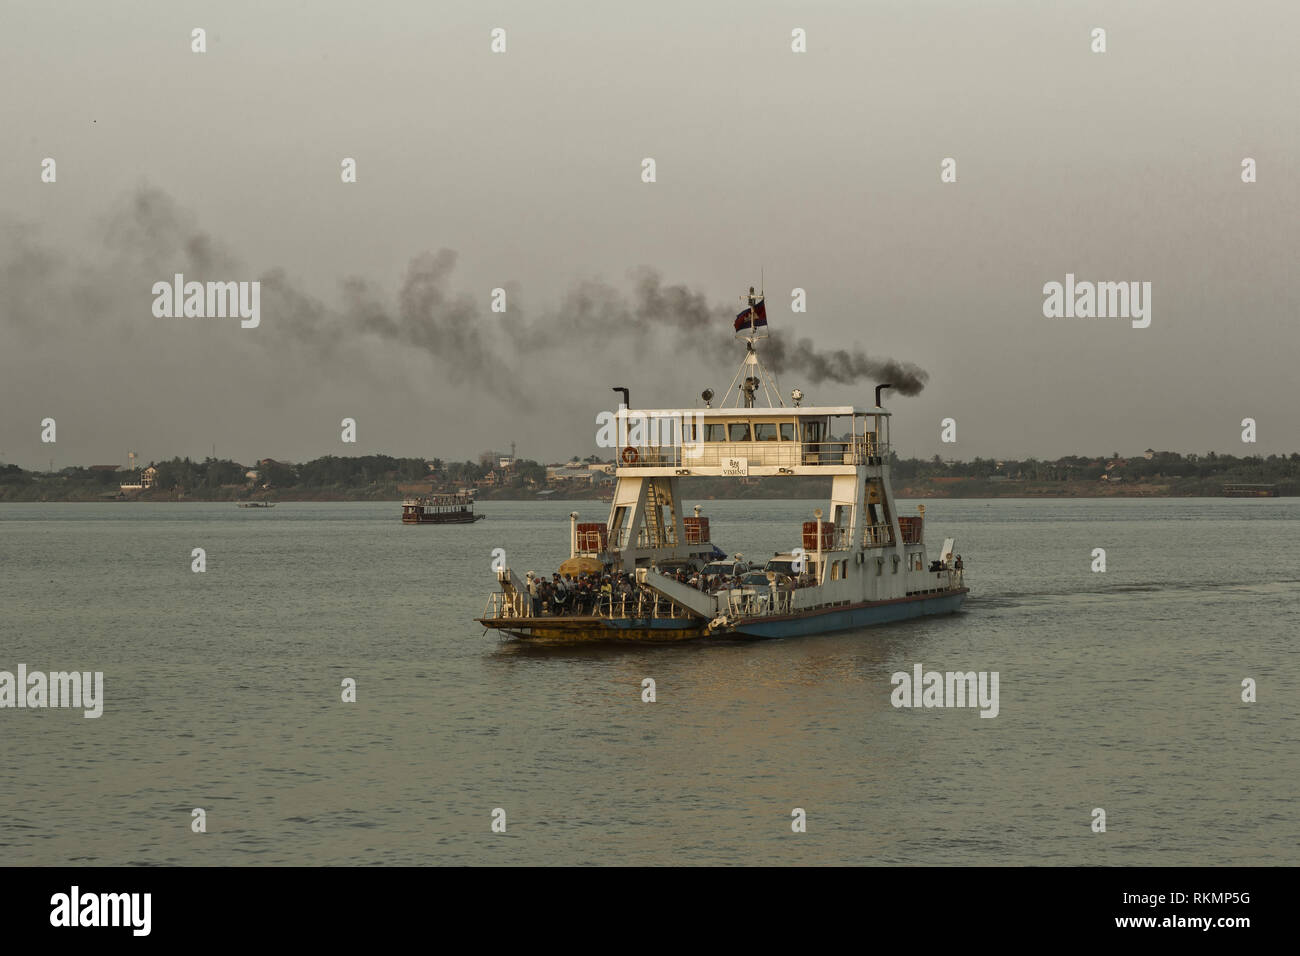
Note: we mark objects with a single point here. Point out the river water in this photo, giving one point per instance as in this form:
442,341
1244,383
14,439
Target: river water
1119,690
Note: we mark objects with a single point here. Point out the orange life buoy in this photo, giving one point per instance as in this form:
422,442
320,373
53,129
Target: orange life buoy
630,455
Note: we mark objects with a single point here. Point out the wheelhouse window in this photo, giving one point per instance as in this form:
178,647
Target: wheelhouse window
738,431
715,432
787,431
765,431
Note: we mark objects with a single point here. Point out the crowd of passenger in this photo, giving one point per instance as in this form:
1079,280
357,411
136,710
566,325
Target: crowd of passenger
939,564
579,594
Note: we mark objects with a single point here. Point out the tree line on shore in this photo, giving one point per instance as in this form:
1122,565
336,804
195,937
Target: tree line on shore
1159,467
362,476
379,476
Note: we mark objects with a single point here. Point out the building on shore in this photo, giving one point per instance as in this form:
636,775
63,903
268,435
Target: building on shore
141,481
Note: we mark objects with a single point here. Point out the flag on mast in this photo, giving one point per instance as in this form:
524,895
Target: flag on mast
755,316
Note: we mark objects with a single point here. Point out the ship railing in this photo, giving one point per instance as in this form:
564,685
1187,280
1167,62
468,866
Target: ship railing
638,605
782,602
949,579
829,453
635,605
651,456
872,451
502,605
775,454
664,538
877,535
854,451
760,603
833,539
741,604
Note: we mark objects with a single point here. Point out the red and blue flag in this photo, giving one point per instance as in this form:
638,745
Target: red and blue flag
753,317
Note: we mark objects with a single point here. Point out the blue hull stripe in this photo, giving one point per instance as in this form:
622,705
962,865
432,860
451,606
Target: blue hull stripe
850,618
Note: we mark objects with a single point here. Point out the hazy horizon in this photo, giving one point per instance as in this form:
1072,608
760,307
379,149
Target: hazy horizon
606,456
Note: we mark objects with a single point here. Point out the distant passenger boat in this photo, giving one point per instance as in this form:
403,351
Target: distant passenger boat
440,509
256,504
1243,490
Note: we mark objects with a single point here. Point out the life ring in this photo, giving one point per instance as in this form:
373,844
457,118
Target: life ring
630,455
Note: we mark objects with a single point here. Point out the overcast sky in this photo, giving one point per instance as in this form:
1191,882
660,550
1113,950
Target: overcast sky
820,169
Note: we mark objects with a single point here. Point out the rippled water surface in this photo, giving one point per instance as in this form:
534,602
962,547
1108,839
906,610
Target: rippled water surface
1119,690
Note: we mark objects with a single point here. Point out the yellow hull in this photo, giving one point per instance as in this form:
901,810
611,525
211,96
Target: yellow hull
586,630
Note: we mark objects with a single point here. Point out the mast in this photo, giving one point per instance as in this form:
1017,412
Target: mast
753,376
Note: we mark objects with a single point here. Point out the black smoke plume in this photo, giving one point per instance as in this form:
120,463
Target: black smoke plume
841,366
148,237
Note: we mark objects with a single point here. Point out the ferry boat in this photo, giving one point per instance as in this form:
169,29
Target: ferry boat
257,504
1241,489
440,509
860,562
